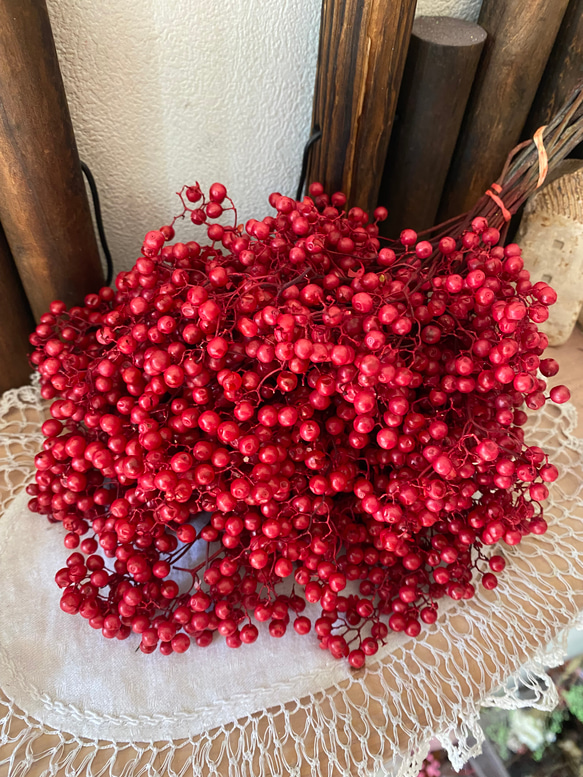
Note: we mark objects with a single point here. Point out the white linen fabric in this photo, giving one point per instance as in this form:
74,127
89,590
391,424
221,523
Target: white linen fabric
80,703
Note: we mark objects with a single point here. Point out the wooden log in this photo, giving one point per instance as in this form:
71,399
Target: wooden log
564,69
551,236
43,203
16,323
520,39
440,68
363,45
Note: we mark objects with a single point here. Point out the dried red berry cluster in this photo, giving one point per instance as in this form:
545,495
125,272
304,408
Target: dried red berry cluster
349,416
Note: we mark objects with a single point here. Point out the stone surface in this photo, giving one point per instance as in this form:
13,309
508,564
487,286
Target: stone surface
551,236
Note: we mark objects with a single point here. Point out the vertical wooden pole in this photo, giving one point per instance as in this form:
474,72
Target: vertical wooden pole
43,204
363,45
16,323
564,69
441,64
520,39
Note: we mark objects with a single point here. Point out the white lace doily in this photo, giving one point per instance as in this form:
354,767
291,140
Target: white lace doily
72,702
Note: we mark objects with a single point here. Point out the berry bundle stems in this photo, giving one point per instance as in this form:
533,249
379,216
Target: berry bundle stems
334,422
520,175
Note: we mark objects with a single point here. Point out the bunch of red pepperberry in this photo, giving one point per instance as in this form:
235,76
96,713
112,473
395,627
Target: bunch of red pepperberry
348,417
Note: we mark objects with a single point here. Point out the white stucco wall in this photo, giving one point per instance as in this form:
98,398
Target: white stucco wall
460,9
166,92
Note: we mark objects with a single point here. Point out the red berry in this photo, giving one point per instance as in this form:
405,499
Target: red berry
560,394
342,412
217,192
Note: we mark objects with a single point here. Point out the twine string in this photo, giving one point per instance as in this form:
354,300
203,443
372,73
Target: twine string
543,159
494,195
543,168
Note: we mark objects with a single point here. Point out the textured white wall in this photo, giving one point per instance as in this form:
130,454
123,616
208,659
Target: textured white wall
166,92
460,9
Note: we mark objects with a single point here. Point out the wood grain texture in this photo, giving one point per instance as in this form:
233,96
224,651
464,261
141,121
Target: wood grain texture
520,39
363,45
43,204
564,69
16,323
439,72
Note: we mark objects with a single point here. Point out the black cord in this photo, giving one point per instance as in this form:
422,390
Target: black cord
97,209
316,135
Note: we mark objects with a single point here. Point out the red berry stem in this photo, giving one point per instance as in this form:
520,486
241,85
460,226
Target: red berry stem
348,416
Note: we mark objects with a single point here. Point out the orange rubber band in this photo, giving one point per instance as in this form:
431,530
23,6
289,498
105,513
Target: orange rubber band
543,160
497,188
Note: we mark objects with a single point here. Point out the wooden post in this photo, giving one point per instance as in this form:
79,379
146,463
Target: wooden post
520,38
441,64
564,69
363,45
43,204
16,323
